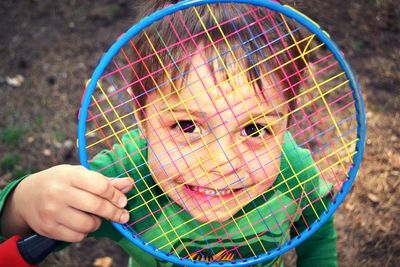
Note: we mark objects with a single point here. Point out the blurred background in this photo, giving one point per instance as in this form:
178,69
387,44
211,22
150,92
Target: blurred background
48,49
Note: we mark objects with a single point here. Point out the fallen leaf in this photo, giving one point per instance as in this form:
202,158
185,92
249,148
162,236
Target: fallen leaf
349,206
46,152
103,262
16,81
373,198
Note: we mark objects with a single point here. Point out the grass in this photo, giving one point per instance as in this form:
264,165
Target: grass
113,11
60,135
9,161
359,45
12,135
39,120
377,108
21,173
378,3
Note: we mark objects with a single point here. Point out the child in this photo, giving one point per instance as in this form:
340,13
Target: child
211,155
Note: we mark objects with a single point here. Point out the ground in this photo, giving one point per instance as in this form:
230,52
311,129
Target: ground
49,48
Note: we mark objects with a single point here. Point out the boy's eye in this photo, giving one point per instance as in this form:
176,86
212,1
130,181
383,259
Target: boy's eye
255,130
187,126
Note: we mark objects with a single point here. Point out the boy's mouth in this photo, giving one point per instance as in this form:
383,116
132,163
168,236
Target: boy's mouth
212,192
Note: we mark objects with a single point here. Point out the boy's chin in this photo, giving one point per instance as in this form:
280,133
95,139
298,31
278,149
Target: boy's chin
213,216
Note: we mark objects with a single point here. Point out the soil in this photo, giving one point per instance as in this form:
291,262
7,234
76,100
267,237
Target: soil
49,48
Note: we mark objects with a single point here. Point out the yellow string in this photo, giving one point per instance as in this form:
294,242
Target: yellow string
190,116
292,189
272,131
230,78
298,108
199,78
199,162
320,92
213,87
132,161
281,118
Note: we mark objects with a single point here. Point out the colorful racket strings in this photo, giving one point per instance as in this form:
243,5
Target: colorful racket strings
302,115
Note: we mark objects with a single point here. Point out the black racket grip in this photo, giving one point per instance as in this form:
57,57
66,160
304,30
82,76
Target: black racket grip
35,248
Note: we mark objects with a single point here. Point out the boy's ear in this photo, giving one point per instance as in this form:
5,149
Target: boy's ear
137,114
130,92
142,133
140,124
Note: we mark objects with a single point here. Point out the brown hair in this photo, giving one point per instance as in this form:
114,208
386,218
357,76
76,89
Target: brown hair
267,35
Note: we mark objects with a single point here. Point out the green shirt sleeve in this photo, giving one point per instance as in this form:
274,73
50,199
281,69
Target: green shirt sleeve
303,181
106,229
317,250
4,194
320,248
125,159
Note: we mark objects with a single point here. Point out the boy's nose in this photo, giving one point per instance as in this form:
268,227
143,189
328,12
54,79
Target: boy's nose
223,155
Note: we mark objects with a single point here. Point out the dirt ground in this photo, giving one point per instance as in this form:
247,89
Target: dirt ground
49,48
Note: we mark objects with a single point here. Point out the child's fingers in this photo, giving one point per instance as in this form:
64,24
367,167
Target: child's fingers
63,233
98,184
123,184
94,204
79,221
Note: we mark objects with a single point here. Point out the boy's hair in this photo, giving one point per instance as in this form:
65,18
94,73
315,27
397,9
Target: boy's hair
262,41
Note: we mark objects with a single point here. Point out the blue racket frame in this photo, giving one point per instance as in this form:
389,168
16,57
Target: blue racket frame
287,11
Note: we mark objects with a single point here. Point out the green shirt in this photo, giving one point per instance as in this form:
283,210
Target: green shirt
297,185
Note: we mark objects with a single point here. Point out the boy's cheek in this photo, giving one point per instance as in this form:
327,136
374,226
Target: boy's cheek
265,177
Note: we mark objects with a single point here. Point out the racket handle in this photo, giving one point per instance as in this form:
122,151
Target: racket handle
35,248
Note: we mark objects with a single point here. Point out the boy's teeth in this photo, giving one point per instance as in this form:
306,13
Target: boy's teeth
209,191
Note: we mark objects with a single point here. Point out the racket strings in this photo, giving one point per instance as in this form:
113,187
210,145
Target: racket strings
168,69
181,102
298,109
142,59
235,86
272,122
320,92
171,160
188,233
284,72
299,73
141,195
190,37
261,219
311,127
143,199
320,149
122,87
288,178
160,60
91,133
199,77
301,52
134,125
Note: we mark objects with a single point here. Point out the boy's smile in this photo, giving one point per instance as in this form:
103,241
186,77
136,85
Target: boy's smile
214,143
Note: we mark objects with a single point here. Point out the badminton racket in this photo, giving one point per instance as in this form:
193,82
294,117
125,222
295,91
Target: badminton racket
240,122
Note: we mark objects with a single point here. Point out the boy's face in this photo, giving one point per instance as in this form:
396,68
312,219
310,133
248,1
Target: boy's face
215,152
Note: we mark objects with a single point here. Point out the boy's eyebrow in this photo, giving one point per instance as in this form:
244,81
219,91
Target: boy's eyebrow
260,115
183,110
275,113
256,115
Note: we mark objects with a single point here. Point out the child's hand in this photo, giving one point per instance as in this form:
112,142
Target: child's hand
65,203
